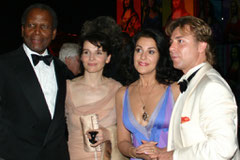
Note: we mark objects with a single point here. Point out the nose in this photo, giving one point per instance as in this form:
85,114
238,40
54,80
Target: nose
143,55
91,56
37,30
172,47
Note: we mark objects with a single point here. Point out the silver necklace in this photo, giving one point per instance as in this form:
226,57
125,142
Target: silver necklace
145,115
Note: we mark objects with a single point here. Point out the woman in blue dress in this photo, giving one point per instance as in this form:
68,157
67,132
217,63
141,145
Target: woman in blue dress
144,106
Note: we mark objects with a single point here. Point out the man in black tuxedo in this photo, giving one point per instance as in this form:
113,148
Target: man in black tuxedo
32,93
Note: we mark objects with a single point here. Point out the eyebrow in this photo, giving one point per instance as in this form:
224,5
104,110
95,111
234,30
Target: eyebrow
178,37
152,48
147,48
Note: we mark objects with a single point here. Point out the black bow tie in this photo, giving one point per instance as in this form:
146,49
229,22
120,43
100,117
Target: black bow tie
184,83
46,59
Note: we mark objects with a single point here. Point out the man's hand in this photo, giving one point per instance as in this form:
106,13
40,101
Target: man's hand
164,155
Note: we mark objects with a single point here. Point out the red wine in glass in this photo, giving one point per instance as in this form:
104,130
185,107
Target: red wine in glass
93,137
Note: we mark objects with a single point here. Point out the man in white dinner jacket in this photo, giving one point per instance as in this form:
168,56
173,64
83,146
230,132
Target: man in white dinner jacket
204,120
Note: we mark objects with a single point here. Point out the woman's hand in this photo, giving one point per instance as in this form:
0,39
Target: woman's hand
102,136
149,148
133,154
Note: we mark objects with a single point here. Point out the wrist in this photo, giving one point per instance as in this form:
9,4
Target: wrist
132,152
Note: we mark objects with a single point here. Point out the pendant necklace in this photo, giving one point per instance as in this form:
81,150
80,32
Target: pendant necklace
145,115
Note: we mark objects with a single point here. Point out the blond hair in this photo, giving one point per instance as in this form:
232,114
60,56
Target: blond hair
200,29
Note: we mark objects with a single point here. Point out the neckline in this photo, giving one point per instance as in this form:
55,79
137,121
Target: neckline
151,119
92,104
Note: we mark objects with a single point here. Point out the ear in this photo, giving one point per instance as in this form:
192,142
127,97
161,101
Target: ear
67,60
54,34
202,47
22,30
108,58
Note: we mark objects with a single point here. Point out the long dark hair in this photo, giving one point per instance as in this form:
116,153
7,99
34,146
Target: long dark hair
131,6
165,73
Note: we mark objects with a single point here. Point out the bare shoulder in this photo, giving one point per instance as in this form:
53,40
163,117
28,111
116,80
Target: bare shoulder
113,81
175,90
121,91
77,79
76,84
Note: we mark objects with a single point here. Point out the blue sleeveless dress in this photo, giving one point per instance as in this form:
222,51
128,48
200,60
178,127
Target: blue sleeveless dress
157,128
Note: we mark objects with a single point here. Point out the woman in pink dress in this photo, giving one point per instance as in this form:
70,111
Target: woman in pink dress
92,93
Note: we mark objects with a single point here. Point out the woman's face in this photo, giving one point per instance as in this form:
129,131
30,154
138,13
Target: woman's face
93,58
126,3
146,56
151,3
176,3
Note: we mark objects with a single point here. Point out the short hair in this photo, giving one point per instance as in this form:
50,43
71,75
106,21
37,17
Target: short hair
42,7
68,50
98,39
200,29
108,26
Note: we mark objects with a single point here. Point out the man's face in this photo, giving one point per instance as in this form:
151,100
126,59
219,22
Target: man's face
38,30
73,64
185,49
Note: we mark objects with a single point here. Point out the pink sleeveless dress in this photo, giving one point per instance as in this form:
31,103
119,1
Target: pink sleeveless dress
104,108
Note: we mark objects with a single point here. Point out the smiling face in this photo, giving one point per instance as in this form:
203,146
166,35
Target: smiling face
94,58
146,56
38,30
185,51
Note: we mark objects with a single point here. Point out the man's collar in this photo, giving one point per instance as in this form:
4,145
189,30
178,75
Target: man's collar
185,76
29,51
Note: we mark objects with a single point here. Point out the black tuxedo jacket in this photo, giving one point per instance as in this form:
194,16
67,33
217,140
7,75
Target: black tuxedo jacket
27,131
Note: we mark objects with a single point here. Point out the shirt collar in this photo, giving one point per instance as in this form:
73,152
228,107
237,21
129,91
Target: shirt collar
185,76
28,52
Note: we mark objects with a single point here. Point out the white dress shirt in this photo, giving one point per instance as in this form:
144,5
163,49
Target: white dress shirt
46,77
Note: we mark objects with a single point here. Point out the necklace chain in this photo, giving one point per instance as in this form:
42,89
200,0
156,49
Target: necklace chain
145,115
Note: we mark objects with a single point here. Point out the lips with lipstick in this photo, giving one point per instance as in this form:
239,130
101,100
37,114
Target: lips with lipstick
92,64
143,64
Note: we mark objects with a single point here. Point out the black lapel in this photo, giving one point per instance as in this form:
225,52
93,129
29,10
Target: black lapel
61,82
59,113
31,87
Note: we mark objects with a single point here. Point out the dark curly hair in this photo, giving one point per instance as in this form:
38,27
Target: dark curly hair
100,40
108,26
165,73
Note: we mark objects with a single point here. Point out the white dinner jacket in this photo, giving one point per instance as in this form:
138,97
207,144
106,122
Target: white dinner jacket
210,130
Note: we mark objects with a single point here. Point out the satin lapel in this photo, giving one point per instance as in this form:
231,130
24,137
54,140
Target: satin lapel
197,78
60,100
31,88
61,82
194,83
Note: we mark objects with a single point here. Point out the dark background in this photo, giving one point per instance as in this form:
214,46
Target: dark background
71,16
